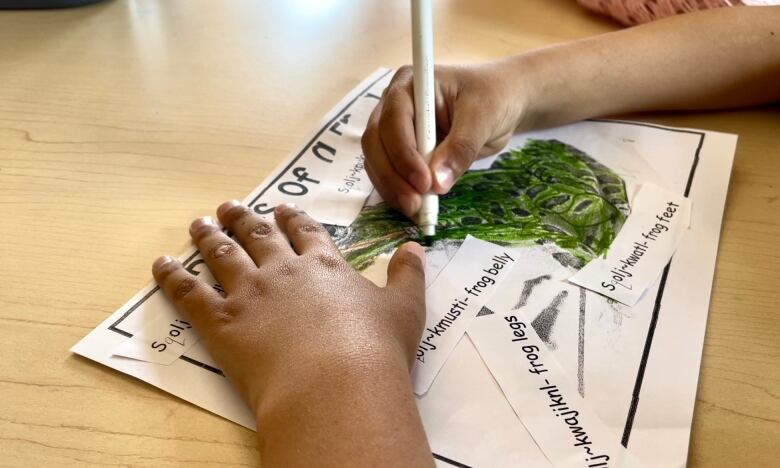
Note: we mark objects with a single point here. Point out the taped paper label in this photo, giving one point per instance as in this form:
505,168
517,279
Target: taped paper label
565,428
641,249
161,341
453,300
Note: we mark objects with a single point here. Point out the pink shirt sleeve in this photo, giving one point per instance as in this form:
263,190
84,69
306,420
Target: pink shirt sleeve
632,12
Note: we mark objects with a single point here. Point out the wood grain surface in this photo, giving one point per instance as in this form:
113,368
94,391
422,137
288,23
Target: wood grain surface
122,121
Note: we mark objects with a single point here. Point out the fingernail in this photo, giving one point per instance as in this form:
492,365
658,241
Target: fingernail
408,204
445,177
291,206
162,261
201,223
227,206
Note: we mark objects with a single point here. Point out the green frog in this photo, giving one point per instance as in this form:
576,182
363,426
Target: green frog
544,192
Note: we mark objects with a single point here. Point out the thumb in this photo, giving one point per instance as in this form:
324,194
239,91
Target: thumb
459,149
406,271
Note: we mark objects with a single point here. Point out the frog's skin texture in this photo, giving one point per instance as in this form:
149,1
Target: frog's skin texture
545,192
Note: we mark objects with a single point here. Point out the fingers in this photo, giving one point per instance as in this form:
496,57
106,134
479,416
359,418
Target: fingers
394,189
406,284
406,271
261,239
226,260
305,234
396,169
396,131
195,299
460,148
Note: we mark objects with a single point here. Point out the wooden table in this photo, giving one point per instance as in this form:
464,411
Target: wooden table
121,122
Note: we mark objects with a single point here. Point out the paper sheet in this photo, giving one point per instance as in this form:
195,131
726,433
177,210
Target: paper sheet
469,421
637,368
545,399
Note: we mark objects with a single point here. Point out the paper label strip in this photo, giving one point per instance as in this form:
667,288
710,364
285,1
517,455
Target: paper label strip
453,300
641,249
566,430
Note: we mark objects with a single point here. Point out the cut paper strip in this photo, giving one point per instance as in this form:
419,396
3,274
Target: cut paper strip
563,426
642,248
162,340
453,300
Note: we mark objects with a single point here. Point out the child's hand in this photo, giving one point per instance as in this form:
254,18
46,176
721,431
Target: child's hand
478,108
292,313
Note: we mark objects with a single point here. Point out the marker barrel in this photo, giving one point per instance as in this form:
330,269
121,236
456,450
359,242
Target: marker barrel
424,103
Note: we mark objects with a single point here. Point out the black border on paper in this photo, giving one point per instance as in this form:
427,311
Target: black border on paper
640,375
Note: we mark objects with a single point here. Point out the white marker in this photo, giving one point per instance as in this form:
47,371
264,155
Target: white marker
424,104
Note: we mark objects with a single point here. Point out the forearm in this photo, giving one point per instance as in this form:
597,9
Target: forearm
721,58
343,414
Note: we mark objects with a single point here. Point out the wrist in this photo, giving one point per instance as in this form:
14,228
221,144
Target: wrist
511,75
357,411
536,91
337,376
551,89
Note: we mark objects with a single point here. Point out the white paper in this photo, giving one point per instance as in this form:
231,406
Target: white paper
453,300
162,341
560,421
600,344
469,421
646,242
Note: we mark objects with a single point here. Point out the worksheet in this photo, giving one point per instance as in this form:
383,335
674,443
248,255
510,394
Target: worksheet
512,234
572,190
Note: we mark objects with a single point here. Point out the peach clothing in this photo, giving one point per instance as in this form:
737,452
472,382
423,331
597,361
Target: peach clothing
631,12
